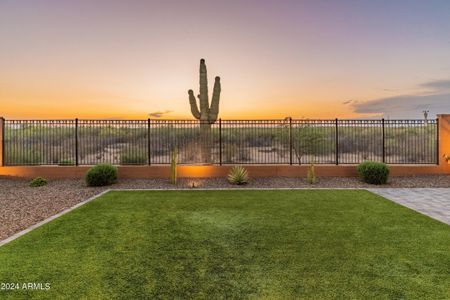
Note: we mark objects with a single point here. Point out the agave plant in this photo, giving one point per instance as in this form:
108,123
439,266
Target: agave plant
238,175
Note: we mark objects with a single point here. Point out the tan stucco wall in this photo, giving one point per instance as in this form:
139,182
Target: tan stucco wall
53,172
444,141
2,124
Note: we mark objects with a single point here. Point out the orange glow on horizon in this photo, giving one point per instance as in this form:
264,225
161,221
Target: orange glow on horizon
67,103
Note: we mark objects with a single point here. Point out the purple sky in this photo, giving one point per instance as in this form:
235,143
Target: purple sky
276,58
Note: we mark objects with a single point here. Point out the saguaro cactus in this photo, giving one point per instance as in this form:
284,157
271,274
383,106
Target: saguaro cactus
204,112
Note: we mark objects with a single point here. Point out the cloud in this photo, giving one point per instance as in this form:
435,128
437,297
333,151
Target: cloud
437,85
436,101
159,114
405,106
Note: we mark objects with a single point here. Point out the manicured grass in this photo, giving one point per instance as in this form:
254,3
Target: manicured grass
234,244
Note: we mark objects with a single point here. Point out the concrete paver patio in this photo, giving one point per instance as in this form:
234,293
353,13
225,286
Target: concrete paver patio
433,202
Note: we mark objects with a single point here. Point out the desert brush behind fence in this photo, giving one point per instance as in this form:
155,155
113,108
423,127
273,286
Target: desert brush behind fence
288,141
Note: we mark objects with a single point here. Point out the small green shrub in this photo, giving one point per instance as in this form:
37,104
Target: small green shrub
311,176
38,181
133,157
101,174
373,172
238,175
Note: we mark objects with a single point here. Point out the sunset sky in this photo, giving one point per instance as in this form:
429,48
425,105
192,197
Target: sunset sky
305,59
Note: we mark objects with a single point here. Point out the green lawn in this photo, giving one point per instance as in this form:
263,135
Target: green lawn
234,244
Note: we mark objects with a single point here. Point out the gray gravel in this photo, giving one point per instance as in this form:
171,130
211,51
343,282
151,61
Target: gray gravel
22,206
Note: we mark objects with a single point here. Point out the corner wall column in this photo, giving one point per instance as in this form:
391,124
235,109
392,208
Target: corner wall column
444,141
2,141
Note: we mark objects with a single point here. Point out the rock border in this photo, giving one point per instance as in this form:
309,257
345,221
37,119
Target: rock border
49,219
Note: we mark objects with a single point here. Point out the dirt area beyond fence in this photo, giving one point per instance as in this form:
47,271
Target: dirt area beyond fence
22,206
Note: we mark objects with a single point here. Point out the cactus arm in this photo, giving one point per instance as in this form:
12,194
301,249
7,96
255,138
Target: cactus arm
214,110
204,101
194,109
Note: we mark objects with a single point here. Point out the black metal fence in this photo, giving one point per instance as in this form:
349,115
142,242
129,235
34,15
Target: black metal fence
139,142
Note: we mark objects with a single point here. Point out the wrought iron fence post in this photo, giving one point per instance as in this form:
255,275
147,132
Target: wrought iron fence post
290,141
76,142
148,142
383,143
437,142
337,142
220,141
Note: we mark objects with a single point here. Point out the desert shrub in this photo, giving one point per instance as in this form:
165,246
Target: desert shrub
66,162
38,181
373,172
311,176
101,174
238,175
133,157
229,152
23,157
243,154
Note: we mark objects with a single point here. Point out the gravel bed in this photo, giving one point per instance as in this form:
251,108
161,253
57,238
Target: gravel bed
22,206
